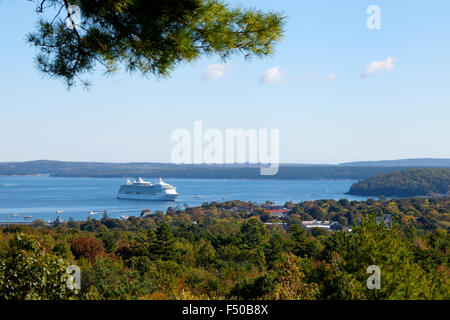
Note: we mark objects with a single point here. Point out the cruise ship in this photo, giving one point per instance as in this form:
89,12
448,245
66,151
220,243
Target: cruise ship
145,190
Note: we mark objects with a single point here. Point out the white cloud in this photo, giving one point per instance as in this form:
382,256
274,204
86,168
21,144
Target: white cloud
272,75
331,77
379,66
215,71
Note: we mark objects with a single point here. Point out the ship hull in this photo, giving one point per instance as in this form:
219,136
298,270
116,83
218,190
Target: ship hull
147,197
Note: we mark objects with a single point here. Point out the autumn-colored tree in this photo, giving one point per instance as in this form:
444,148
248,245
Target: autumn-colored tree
291,282
87,247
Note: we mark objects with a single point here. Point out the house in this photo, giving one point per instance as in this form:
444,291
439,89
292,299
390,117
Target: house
317,224
280,213
275,210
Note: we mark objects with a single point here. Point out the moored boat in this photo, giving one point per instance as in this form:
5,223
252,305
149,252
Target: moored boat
145,190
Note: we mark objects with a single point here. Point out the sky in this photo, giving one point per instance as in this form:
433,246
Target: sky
336,90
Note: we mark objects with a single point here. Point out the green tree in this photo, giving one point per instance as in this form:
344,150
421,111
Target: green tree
163,247
373,244
300,240
112,281
142,264
206,254
28,272
252,239
62,249
151,37
274,249
254,288
109,241
252,233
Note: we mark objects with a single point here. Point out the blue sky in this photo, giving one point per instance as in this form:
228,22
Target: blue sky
325,110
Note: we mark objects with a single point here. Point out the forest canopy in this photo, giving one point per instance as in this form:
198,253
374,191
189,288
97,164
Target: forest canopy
405,183
236,250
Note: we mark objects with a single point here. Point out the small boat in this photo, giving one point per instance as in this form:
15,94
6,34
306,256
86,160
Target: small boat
92,212
15,215
199,196
27,217
124,217
59,211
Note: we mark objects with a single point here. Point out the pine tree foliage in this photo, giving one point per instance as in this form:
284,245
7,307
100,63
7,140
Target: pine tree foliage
151,37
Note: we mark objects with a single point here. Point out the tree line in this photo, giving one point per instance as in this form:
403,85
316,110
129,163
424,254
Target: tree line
168,170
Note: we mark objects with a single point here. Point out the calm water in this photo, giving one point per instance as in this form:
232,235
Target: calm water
41,196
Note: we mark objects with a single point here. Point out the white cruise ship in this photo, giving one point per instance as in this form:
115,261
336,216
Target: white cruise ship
145,190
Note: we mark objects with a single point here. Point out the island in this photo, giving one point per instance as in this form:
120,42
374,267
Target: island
405,183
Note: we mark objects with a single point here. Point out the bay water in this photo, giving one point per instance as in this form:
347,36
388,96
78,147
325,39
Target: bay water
42,196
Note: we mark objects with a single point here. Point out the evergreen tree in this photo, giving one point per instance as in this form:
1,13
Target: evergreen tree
164,246
300,240
374,244
151,37
109,241
274,249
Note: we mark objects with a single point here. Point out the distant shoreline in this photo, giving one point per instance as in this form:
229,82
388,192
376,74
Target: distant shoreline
24,175
348,171
184,178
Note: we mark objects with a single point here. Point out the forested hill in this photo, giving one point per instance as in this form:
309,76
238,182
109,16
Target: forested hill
405,183
155,170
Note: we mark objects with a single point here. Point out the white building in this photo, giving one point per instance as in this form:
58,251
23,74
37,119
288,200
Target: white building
317,224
